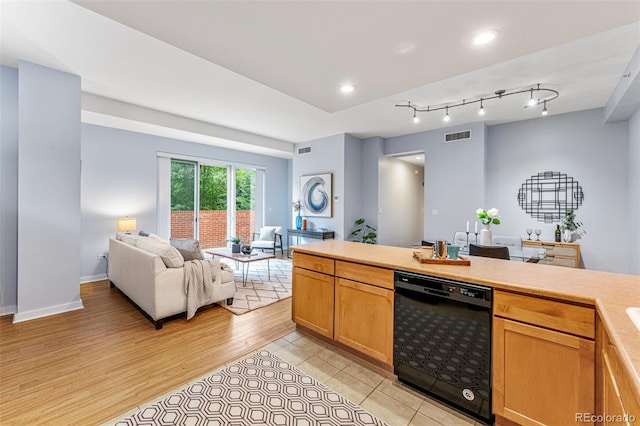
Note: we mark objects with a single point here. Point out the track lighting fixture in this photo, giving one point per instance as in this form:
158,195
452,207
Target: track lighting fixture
534,100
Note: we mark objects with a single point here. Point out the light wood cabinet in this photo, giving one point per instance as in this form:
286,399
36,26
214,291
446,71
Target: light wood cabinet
313,301
364,319
541,373
559,254
348,302
616,402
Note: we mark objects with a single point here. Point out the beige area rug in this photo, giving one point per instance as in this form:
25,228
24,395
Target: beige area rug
259,390
260,290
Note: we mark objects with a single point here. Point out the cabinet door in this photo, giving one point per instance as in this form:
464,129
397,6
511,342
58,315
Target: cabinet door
541,376
364,319
618,404
611,400
313,297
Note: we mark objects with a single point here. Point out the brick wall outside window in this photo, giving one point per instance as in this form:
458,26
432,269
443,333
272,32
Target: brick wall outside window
213,226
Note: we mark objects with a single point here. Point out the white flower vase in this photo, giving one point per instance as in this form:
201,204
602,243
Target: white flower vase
567,236
485,235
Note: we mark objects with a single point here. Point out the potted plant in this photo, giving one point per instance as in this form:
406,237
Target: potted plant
235,244
364,233
572,229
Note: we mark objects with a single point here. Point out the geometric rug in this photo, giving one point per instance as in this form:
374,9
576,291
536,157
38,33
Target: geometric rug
260,390
260,290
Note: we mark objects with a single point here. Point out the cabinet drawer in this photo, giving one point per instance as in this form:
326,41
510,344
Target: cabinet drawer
578,320
560,250
314,263
373,275
560,261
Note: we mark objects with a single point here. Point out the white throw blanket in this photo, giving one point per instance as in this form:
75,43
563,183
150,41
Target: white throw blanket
200,277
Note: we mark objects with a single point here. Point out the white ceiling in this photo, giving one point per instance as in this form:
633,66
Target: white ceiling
260,75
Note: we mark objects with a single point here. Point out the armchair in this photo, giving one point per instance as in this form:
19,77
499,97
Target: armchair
269,238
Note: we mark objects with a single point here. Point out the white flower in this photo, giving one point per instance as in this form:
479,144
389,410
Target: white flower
492,213
479,211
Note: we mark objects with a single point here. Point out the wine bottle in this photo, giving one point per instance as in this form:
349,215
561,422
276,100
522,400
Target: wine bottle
558,233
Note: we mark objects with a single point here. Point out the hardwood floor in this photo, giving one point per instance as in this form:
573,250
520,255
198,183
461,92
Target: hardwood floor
88,366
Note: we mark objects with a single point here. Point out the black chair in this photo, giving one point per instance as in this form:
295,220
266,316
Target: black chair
496,252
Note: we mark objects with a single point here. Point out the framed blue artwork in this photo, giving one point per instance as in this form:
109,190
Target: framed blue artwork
315,193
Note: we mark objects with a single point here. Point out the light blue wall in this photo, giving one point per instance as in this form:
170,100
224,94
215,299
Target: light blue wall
119,170
8,189
327,156
633,208
580,145
372,153
353,193
48,192
454,176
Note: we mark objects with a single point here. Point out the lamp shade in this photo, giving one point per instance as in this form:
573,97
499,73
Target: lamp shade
126,224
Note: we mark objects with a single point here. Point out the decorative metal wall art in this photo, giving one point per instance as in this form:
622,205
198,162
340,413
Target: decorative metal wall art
548,196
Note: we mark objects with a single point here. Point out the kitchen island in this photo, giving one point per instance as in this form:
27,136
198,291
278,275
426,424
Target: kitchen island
563,330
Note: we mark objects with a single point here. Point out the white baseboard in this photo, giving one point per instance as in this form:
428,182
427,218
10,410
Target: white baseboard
92,278
45,312
8,310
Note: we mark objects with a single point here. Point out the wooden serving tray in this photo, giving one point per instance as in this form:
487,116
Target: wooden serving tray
459,261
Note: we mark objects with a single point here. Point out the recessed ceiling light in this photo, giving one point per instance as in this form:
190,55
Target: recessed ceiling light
347,88
485,37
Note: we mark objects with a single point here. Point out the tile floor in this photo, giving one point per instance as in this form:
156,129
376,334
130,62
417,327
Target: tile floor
392,402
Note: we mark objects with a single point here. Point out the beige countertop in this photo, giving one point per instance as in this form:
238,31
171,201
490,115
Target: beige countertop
611,294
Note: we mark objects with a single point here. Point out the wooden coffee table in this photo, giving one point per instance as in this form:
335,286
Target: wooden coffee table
244,259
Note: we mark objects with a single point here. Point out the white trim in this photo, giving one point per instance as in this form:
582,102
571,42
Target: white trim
8,310
93,278
45,312
208,161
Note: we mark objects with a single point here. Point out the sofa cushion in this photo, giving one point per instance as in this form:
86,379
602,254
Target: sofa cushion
189,249
158,238
227,273
169,254
127,238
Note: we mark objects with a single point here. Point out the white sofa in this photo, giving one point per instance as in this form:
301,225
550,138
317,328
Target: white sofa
156,289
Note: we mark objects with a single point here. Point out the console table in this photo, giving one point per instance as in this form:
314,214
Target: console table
307,233
560,254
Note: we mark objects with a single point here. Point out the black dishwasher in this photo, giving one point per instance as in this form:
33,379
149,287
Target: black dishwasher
442,340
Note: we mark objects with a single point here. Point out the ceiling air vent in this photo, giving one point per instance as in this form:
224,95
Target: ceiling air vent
305,150
458,136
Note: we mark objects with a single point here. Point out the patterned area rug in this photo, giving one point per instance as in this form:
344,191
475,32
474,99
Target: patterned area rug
260,390
260,290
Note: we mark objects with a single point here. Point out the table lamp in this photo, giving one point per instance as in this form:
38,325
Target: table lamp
127,224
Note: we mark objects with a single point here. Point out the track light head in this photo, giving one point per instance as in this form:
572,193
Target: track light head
532,101
446,116
544,110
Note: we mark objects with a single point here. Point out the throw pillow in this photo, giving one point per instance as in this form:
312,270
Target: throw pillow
189,249
169,254
267,233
